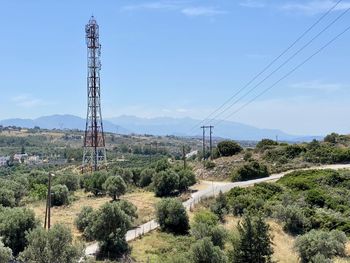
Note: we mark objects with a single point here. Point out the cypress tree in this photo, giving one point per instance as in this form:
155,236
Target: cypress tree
254,245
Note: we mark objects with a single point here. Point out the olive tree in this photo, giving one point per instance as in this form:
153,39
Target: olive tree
172,216
115,187
54,246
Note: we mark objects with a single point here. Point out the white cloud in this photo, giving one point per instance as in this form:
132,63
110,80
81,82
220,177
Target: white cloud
314,7
27,101
177,6
318,86
202,11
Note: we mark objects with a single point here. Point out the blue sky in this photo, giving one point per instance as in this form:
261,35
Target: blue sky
175,58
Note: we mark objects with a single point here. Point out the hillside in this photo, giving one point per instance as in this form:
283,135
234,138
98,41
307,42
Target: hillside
158,126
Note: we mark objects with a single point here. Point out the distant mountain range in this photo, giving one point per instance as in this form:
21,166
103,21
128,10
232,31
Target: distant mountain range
158,126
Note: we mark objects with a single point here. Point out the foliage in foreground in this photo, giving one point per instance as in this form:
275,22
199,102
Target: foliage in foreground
320,244
254,243
14,224
54,246
172,216
111,235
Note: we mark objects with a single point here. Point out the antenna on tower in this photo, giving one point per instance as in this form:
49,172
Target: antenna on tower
94,140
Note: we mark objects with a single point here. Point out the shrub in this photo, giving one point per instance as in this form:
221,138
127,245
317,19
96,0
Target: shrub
55,245
94,182
332,138
247,156
69,180
249,171
293,217
7,198
315,197
84,219
319,242
209,165
206,225
220,206
172,216
186,179
265,144
111,236
18,189
165,183
5,253
59,195
115,186
206,217
162,165
14,223
228,148
38,191
146,177
205,251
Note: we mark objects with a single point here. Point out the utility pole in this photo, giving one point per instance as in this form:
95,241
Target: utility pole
48,204
211,142
184,155
203,127
210,138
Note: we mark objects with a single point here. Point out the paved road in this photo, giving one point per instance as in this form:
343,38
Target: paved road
211,189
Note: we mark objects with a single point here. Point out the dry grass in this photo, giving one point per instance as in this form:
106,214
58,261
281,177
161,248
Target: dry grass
283,245
144,201
157,247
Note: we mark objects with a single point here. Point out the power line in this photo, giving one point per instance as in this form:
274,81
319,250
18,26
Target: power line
283,64
270,64
286,75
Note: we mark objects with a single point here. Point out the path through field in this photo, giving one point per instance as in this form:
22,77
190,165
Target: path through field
211,189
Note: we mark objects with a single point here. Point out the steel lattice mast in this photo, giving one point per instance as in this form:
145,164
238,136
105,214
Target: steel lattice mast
94,140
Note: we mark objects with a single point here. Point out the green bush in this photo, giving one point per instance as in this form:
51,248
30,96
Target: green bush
94,182
55,245
228,148
186,179
265,144
165,183
172,216
69,180
247,156
146,177
38,191
249,171
59,195
205,251
205,224
162,165
220,206
14,224
115,187
315,197
84,219
319,242
111,236
7,198
5,253
209,165
295,220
